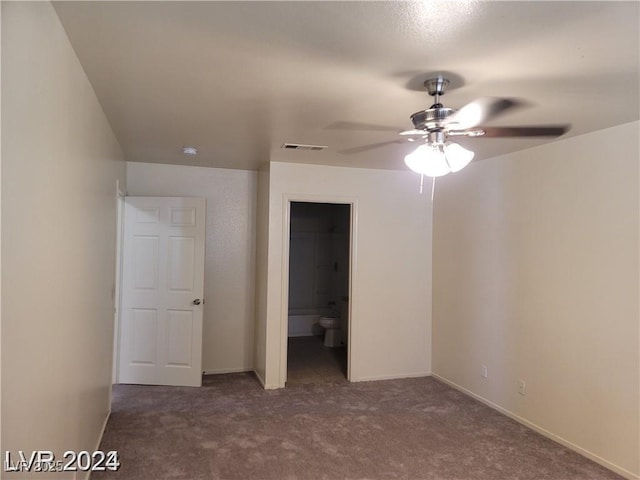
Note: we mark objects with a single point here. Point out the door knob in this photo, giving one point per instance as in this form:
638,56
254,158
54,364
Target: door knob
196,301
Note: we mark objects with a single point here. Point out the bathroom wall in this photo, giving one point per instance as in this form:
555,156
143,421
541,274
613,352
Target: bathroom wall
536,276
318,259
390,299
229,278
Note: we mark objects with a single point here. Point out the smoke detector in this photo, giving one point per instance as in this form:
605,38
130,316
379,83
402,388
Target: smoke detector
190,150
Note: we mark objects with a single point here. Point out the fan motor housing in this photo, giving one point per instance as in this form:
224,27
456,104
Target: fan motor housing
431,119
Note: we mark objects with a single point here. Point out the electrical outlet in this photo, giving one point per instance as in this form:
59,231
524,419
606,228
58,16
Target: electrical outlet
522,387
484,372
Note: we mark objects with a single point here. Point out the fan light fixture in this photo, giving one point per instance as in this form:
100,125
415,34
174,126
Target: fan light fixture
437,158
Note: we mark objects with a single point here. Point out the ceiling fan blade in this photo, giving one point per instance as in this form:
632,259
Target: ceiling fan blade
479,111
371,146
530,131
361,126
409,133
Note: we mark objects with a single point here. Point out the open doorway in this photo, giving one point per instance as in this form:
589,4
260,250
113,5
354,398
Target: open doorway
318,308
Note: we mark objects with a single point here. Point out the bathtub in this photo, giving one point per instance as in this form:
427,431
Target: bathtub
301,322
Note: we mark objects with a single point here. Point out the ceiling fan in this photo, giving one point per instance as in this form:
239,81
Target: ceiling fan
436,155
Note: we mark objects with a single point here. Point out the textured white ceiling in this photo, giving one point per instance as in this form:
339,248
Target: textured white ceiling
238,79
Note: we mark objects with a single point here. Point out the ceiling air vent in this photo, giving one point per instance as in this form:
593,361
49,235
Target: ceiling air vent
298,146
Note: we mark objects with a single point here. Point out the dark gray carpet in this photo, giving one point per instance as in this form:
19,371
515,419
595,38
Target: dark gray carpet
414,428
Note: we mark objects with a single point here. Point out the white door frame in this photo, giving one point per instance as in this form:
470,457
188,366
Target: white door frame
117,293
353,234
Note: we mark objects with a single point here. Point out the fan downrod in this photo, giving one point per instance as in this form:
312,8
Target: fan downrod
432,119
436,86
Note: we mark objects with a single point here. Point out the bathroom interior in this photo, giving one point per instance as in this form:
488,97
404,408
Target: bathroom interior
318,310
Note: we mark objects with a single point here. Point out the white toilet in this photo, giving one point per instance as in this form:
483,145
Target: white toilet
332,331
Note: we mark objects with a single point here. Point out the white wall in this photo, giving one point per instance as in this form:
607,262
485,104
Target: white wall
390,299
536,275
60,164
1,450
229,275
262,254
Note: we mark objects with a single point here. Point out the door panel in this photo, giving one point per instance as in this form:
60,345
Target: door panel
145,257
181,263
180,324
163,273
145,327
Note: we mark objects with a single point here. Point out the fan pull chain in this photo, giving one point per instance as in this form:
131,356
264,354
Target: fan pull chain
421,182
433,189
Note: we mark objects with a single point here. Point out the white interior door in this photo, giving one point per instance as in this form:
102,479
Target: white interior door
162,288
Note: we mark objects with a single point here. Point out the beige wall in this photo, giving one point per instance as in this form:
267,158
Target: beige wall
229,271
390,298
1,449
60,163
262,254
536,275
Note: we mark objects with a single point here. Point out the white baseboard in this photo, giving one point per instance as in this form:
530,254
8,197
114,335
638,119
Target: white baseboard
390,377
260,379
591,456
227,370
263,383
97,447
